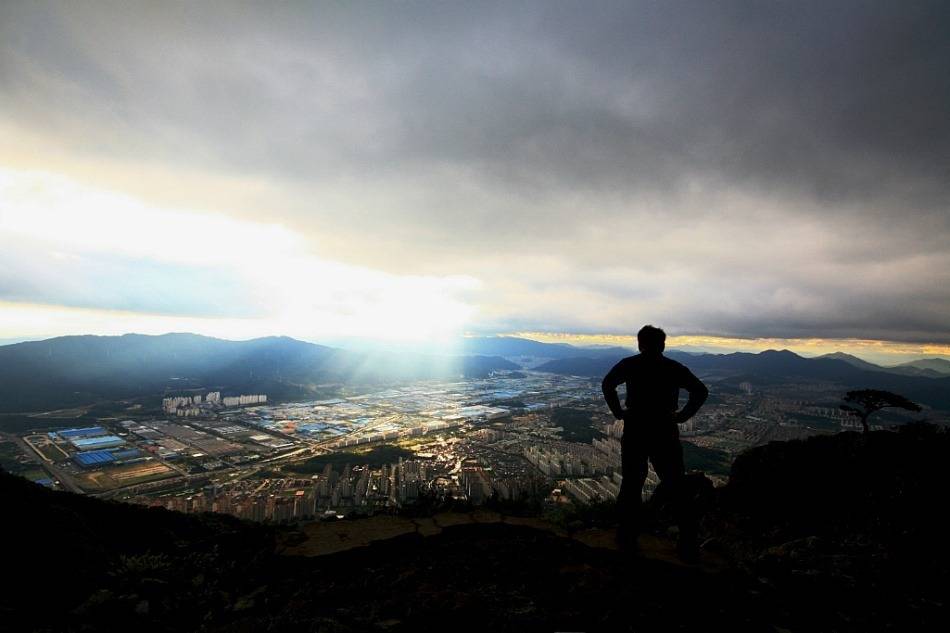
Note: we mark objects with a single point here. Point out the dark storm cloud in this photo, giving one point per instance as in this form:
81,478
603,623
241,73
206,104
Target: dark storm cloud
841,99
469,132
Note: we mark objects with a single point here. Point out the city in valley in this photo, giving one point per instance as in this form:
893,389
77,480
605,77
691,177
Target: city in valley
513,436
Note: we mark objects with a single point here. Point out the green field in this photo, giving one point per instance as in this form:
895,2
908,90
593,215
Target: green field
51,452
128,475
34,474
815,422
12,459
15,423
576,425
375,457
708,460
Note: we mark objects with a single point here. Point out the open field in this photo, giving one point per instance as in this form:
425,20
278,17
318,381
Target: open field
374,457
131,474
34,474
13,460
52,452
47,449
63,413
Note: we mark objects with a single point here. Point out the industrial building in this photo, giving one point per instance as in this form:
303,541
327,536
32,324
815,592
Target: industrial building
94,459
75,434
96,443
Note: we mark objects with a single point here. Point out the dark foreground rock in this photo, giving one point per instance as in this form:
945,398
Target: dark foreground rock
845,532
91,564
840,533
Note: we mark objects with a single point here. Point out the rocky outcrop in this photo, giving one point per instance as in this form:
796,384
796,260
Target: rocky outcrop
849,529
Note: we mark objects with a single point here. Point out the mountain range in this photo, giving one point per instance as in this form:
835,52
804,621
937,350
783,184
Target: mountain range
775,367
515,348
76,370
939,365
929,367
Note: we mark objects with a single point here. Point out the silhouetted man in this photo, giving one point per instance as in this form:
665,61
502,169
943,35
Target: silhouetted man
651,432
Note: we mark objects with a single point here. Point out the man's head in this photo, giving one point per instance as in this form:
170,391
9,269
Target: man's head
651,340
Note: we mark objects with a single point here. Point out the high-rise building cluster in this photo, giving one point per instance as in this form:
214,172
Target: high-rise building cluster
587,490
283,500
475,482
609,446
242,400
340,491
173,403
288,500
614,429
570,460
193,406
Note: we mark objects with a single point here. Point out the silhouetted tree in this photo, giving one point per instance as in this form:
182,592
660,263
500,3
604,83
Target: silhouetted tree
864,402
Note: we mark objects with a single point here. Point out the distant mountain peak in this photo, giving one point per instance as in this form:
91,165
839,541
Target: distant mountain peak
939,365
780,352
841,356
851,359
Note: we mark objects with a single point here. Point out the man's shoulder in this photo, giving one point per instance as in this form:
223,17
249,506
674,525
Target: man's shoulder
626,364
671,362
675,366
638,360
631,361
651,361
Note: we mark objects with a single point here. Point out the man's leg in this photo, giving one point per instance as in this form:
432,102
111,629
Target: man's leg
666,454
629,500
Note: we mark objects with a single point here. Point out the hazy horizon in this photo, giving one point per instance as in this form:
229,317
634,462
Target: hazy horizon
890,358
746,177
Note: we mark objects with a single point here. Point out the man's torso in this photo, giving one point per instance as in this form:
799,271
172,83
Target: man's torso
653,385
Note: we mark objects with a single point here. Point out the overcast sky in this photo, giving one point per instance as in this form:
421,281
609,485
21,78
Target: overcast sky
742,170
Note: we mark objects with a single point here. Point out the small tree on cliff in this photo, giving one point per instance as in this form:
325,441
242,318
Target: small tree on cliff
864,402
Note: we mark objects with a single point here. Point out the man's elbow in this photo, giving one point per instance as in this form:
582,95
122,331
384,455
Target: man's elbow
702,393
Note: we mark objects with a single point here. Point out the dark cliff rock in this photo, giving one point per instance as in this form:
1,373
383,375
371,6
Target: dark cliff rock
849,529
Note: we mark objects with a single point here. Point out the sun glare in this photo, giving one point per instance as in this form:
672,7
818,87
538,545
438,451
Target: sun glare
295,292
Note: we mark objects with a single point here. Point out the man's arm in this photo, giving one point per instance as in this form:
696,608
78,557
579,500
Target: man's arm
697,395
609,386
